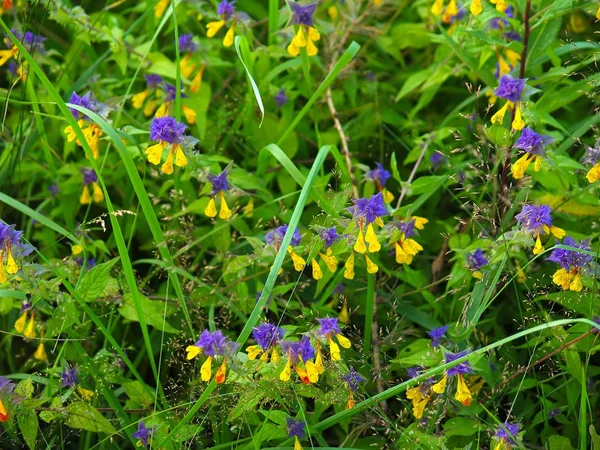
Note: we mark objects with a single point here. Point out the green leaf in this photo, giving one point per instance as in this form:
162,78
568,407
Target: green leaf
153,312
95,280
138,393
595,438
28,424
559,443
83,416
462,426
25,388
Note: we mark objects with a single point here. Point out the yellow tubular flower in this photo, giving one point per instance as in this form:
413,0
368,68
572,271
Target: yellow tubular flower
5,55
477,274
154,153
167,167
253,351
419,408
351,403
163,110
437,8
160,7
225,212
359,245
538,163
463,394
189,113
420,222
415,394
594,174
576,285
334,350
206,369
287,371
371,239
313,35
388,197
228,39
349,268
558,233
450,12
333,12
343,340
297,445
150,107
598,13
500,445
21,322
185,66
520,166
192,351
330,261
501,5
476,7
11,264
221,373
85,394
344,316
197,81
513,57
312,371
499,116
518,123
30,329
371,266
538,248
319,359
137,101
293,50
40,353
85,198
316,270
3,412
211,208
503,67
213,28
275,356
180,159
298,261
3,277
440,386
562,278
76,249
401,256
98,195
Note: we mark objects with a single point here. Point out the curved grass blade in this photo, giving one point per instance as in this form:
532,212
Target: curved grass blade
243,52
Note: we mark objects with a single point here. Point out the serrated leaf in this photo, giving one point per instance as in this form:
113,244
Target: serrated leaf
84,416
95,280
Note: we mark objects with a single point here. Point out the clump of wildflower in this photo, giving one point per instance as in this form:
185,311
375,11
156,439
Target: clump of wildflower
329,328
501,5
187,46
463,394
366,211
220,185
143,433
90,179
379,176
532,144
419,395
592,157
352,380
571,264
22,324
506,435
507,63
299,355
405,247
329,236
93,131
266,336
307,34
212,345
296,430
476,261
153,89
7,388
275,237
510,89
226,12
160,8
437,335
168,132
448,13
537,220
165,108
69,379
33,43
12,247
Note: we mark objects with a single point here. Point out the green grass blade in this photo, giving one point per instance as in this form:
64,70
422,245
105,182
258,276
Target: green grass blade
370,305
273,20
243,52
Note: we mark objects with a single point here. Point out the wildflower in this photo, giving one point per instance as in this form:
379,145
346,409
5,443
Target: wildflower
187,46
226,11
220,185
592,157
275,237
537,220
300,353
165,108
328,327
476,261
266,336
501,5
92,132
419,395
160,8
90,178
463,394
510,89
507,63
352,379
7,388
33,43
506,434
476,7
329,236
153,88
13,248
22,325
307,34
437,159
167,131
379,176
571,264
296,430
406,247
40,352
53,189
212,345
69,379
533,144
437,335
143,433
280,98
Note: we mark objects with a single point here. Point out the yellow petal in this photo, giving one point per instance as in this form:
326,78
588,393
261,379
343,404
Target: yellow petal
319,359
520,166
538,163
21,322
180,159
149,108
330,261
163,110
221,373
371,239
287,371
299,39
312,371
598,13
3,277
419,408
476,7
503,67
211,208
85,394
206,369
558,233
313,34
298,261
562,278
334,349
249,208
359,245
4,413
228,39
40,353
167,167
192,351
293,50
415,394
225,212
333,12
371,266
5,55
518,123
275,356
213,28
349,268
76,249
85,198
411,246
30,329
513,57
137,100
477,274
185,66
388,197
98,195
538,248
160,8
499,116
189,113
463,394
420,222
437,8
197,81
594,174
576,285
501,5
343,340
317,273
344,316
11,264
297,445
440,386
311,48
154,153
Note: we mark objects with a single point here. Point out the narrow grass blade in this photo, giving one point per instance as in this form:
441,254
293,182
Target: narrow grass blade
243,52
369,312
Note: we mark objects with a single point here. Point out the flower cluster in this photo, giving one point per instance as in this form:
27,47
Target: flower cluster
592,158
307,34
329,236
538,221
533,145
170,93
510,89
352,380
507,435
220,185
69,379
405,247
213,344
93,131
296,430
22,324
419,395
90,179
476,261
12,248
267,336
571,262
168,132
227,13
7,389
275,238
33,43
187,67
379,176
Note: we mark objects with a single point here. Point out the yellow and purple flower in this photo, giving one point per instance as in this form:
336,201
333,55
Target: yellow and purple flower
281,98
143,433
330,236
572,262
507,435
379,176
437,335
220,185
11,247
275,237
510,89
329,328
501,5
168,132
463,394
227,13
69,379
405,247
419,395
296,430
7,389
476,261
33,43
90,179
93,132
213,344
352,380
187,46
266,336
299,355
160,8
165,108
538,220
533,145
307,34
22,325
592,157
153,88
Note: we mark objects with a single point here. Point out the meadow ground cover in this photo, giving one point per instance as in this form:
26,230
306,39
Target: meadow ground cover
269,224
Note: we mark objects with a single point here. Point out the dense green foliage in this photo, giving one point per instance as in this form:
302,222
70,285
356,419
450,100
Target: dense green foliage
189,187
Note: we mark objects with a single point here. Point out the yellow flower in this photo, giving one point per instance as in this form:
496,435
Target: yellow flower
213,28
189,113
138,99
371,266
359,245
304,39
211,208
297,445
206,369
499,116
330,260
420,222
333,12
503,66
437,8
221,373
192,351
476,7
287,371
594,173
576,285
197,81
160,8
440,386
225,212
463,394
11,264
21,322
316,270
520,166
30,329
450,11
371,239
349,268
76,249
154,153
518,122
40,353
228,39
298,261
538,248
5,55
